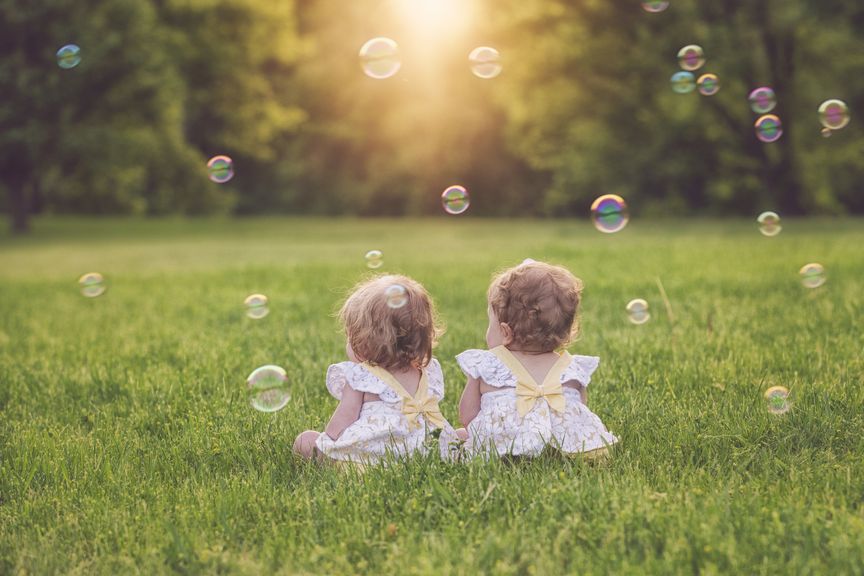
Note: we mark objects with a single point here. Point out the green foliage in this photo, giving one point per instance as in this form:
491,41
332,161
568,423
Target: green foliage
127,444
583,107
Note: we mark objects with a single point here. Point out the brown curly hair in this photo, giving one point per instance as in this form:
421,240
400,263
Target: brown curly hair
391,337
540,303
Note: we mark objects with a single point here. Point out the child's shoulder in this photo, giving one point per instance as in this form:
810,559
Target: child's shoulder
355,376
580,368
486,366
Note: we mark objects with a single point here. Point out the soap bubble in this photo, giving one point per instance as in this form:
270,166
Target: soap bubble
455,200
769,223
380,59
256,306
485,62
762,100
709,84
637,311
655,6
609,213
812,275
69,56
221,169
374,259
396,295
827,132
769,128
683,82
834,114
778,400
691,57
92,284
268,388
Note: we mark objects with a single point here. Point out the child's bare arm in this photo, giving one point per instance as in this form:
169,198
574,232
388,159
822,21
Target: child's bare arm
346,413
469,404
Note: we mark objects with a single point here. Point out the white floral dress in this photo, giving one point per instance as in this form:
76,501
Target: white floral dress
396,425
522,417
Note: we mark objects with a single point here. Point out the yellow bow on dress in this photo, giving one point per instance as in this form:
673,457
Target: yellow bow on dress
527,389
413,406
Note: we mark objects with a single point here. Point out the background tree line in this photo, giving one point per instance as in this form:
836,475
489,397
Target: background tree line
583,107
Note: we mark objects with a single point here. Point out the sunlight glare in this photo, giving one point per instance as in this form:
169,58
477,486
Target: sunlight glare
435,18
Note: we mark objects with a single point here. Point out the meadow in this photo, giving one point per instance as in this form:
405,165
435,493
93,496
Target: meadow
127,443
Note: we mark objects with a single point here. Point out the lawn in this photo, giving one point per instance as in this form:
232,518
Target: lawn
127,444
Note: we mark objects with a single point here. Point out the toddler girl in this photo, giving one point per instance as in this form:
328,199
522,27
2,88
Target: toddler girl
521,394
389,389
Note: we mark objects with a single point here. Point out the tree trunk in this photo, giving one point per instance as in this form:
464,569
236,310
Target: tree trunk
19,206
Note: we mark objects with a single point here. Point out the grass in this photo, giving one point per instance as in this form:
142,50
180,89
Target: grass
127,444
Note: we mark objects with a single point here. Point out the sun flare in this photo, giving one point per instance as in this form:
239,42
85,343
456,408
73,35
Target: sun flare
438,18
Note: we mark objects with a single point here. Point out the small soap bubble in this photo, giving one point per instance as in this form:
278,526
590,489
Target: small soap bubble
637,311
609,213
485,62
778,400
812,275
257,306
762,100
268,388
380,58
221,169
691,57
455,200
374,259
655,6
709,84
769,223
834,114
69,56
683,82
827,132
396,295
92,284
768,128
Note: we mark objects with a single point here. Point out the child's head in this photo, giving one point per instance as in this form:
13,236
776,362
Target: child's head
533,307
384,334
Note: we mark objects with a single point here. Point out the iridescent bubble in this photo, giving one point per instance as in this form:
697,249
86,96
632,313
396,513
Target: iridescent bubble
485,62
637,311
778,400
812,275
691,57
221,169
92,284
762,100
396,295
769,128
709,84
827,132
834,114
374,259
609,213
69,56
655,6
268,388
380,58
455,200
257,306
683,82
769,223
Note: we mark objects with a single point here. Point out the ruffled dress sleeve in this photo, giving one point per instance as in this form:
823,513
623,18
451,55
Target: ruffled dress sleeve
353,375
486,366
435,377
580,369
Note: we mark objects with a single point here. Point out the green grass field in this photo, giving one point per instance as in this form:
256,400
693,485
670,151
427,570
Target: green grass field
127,443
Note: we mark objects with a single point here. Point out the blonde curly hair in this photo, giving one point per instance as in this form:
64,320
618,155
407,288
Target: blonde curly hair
391,337
540,303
